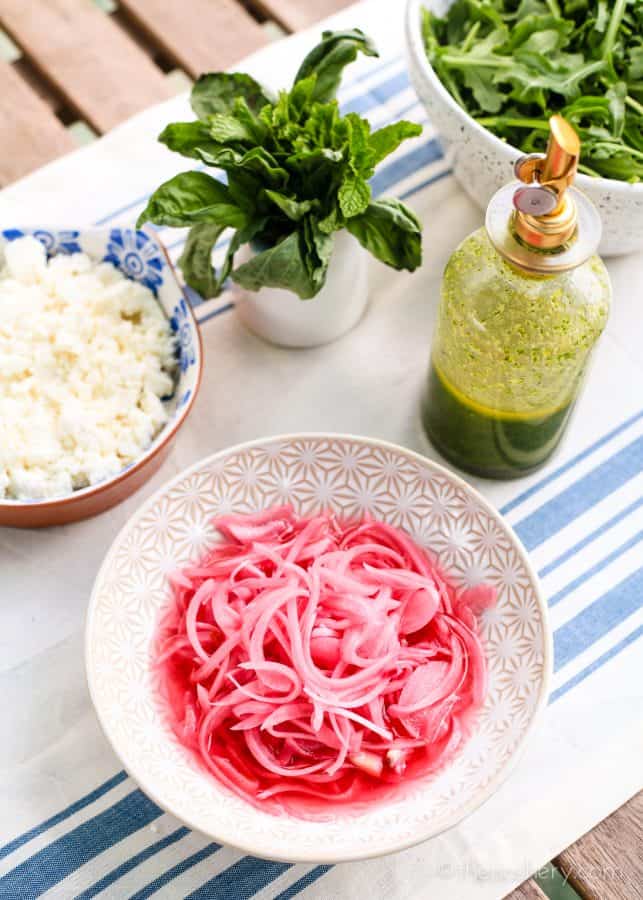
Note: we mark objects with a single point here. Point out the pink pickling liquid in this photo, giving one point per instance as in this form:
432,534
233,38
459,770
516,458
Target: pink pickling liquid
310,664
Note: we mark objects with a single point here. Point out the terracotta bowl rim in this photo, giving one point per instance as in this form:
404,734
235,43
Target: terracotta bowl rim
166,434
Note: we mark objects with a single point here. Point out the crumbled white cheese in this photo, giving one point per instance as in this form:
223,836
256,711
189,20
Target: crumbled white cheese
85,356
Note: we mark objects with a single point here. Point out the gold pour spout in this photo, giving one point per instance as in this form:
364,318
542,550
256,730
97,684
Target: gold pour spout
546,215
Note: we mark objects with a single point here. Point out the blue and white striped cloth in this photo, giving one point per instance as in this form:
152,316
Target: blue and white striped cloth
72,824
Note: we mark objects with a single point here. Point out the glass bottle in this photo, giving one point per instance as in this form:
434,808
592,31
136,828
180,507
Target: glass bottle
524,300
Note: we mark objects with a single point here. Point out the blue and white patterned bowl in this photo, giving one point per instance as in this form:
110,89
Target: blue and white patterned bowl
140,256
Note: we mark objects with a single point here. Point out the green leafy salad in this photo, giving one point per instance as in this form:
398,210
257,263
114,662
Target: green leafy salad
296,171
513,63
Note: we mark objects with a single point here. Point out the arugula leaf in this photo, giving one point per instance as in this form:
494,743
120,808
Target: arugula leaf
216,93
635,68
196,259
391,232
329,58
387,139
354,195
512,65
281,266
189,198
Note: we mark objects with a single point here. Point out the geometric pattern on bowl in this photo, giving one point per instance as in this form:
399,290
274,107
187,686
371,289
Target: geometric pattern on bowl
350,476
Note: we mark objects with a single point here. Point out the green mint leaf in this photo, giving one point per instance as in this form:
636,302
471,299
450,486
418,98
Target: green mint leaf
334,221
301,97
189,198
391,232
196,259
216,93
386,140
354,195
358,135
329,58
281,266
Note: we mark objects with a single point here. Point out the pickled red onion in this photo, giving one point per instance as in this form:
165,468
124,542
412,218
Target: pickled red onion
310,663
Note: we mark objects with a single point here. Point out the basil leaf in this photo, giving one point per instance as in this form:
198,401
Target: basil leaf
281,266
264,165
329,58
385,140
216,93
188,138
290,207
354,195
189,198
221,157
391,232
319,249
224,128
196,260
296,171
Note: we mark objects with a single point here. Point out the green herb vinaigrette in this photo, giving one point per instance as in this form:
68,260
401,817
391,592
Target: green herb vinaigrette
509,356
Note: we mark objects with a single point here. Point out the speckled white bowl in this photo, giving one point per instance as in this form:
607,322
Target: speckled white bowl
482,162
350,476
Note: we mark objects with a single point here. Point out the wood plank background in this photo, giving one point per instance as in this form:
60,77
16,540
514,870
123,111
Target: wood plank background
77,63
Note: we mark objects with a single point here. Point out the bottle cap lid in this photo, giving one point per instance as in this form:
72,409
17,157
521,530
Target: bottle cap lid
541,223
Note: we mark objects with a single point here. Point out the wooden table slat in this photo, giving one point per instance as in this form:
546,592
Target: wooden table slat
91,61
201,36
608,861
30,134
293,15
528,890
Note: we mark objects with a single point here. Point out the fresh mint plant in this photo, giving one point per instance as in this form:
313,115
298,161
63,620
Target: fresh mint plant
511,64
296,172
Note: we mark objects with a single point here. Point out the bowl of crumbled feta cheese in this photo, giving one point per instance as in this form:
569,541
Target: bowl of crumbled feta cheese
100,363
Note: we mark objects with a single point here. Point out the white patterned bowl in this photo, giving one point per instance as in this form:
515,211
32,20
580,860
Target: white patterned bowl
483,163
141,256
351,476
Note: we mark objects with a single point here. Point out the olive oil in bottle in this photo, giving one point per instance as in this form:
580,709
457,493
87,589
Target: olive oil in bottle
524,301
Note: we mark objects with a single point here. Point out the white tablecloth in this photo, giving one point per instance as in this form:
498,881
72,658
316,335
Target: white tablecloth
71,823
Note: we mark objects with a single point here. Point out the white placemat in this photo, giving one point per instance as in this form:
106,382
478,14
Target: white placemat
71,823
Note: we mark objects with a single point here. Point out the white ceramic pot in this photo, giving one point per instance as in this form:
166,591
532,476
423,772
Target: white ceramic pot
279,316
482,163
